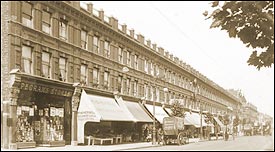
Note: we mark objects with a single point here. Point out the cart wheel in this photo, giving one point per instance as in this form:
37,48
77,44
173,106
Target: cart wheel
181,139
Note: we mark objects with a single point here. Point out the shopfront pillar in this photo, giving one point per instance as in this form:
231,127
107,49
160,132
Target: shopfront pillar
13,117
5,131
75,103
15,80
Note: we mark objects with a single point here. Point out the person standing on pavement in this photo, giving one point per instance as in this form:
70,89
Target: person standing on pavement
160,135
145,133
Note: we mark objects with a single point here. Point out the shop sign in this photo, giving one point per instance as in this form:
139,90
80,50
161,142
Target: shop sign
44,89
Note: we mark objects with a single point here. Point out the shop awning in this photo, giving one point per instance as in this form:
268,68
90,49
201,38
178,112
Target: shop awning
194,118
187,120
107,108
138,112
159,112
219,122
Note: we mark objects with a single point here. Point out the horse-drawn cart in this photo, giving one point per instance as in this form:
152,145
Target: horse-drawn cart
173,131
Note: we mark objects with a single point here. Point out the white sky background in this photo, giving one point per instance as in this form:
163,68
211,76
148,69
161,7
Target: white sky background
181,29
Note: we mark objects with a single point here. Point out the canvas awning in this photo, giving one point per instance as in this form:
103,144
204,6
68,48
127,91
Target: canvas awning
159,112
137,110
187,120
103,107
219,122
194,118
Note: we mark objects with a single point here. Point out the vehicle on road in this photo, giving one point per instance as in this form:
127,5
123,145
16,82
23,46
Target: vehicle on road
173,131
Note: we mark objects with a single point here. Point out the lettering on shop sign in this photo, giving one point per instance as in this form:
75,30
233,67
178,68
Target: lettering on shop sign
87,116
44,89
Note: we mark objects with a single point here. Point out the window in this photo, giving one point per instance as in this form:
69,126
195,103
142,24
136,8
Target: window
145,66
46,22
152,93
83,74
120,84
152,68
128,85
27,59
157,70
95,76
157,94
83,39
63,69
128,61
107,49
136,62
95,44
173,78
135,88
120,57
27,18
46,64
63,29
145,91
106,79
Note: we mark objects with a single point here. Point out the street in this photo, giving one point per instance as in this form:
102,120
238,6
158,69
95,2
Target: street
240,143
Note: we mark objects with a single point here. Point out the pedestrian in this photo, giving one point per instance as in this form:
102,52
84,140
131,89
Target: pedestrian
145,133
160,135
217,131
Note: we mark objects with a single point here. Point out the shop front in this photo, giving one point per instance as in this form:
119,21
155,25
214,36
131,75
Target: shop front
101,119
142,119
41,115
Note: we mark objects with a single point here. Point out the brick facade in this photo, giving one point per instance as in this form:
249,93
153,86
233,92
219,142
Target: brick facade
15,34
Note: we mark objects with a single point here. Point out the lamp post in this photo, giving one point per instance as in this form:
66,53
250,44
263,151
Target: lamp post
195,96
154,121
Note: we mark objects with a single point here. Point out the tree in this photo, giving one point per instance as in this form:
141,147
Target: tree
236,121
252,22
177,109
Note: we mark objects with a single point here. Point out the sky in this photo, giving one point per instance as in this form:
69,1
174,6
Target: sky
181,29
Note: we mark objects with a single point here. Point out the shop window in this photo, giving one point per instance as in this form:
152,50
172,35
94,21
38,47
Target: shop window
46,22
106,79
27,17
24,127
83,74
63,31
95,44
83,39
39,125
95,76
120,57
46,65
63,69
107,49
27,59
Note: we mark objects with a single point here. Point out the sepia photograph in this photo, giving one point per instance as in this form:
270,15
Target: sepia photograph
137,75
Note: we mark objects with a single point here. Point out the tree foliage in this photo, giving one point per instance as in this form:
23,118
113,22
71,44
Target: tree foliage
250,21
177,109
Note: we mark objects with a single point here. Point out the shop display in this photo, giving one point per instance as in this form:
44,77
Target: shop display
42,125
24,127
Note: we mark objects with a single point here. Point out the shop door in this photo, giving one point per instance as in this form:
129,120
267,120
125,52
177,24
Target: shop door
67,122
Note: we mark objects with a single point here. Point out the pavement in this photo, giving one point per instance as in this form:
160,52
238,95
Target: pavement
118,147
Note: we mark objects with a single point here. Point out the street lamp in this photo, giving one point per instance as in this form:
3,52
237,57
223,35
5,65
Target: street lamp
154,122
195,95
